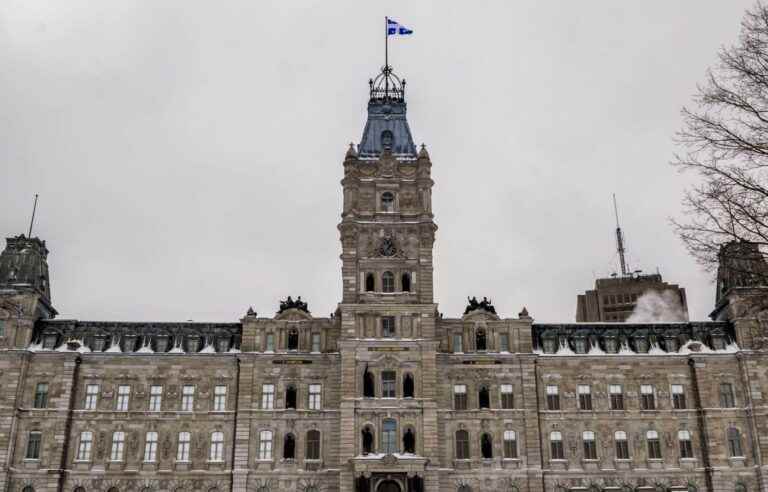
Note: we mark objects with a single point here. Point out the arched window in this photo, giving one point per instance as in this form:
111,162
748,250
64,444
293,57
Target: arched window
409,441
734,443
369,282
387,201
368,384
556,446
406,281
293,339
480,340
368,440
290,397
362,484
407,386
486,446
387,282
389,436
462,444
289,447
510,444
588,441
313,445
622,446
29,488
484,398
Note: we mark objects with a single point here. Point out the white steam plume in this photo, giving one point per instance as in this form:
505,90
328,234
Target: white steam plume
658,307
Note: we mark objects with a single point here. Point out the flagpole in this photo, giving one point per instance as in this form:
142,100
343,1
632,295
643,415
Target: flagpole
386,42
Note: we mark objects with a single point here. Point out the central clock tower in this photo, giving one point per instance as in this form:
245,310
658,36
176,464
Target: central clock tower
387,340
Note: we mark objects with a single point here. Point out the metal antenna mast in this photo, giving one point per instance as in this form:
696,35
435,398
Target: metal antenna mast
619,239
32,221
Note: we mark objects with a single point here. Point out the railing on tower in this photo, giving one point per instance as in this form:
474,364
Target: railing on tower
387,87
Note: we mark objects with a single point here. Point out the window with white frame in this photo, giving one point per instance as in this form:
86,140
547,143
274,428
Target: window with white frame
217,446
588,441
265,445
220,398
315,342
622,446
91,397
182,450
686,448
678,397
118,445
553,397
510,444
616,394
84,446
123,398
654,445
556,445
315,396
458,346
270,344
507,396
585,396
155,398
460,396
647,398
150,447
187,398
267,396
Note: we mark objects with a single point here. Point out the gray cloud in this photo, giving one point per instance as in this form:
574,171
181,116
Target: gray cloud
188,156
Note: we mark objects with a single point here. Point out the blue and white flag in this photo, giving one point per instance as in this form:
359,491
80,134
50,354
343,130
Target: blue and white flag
394,29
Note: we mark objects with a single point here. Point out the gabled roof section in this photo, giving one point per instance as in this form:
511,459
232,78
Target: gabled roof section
386,128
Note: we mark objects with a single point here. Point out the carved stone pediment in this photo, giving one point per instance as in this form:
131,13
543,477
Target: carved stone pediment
389,460
293,314
480,315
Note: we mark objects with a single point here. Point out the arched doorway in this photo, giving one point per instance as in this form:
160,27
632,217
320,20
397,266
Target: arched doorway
388,486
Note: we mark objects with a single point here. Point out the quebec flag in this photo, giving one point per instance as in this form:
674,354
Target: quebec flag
394,29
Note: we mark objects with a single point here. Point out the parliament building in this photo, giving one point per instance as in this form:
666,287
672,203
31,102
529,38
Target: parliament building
386,394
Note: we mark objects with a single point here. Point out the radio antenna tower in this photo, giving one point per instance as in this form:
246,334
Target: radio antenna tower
620,240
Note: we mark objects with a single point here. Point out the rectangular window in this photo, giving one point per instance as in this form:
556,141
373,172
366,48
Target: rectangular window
150,448
270,345
622,447
314,397
507,397
654,446
686,449
155,398
510,444
84,446
91,396
2,327
217,446
123,398
389,436
182,451
267,396
726,396
388,384
457,344
585,397
41,395
33,445
315,342
220,398
553,398
503,342
388,327
647,400
118,445
617,396
265,445
590,449
187,398
462,445
460,397
678,397
556,446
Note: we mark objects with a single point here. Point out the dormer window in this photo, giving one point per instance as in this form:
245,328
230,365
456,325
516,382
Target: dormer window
387,140
387,201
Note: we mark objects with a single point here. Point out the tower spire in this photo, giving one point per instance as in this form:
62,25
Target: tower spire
619,239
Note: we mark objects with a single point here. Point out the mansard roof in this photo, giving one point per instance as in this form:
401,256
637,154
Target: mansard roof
387,126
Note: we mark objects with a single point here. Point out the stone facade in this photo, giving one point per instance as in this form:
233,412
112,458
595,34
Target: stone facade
386,395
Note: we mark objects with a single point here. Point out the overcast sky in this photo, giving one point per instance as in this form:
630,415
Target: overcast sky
188,154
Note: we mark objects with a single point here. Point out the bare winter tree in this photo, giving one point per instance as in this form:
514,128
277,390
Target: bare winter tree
725,141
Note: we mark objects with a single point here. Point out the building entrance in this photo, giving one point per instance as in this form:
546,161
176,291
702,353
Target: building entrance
388,486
